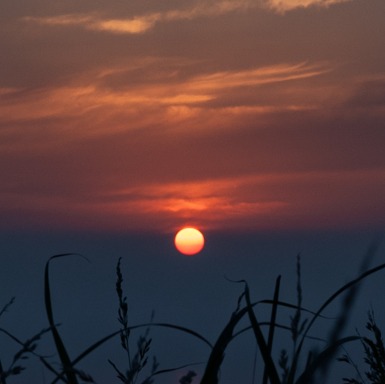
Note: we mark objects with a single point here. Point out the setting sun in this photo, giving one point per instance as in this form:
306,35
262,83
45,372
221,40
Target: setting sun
189,241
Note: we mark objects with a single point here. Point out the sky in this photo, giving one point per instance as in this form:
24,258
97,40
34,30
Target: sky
122,121
226,114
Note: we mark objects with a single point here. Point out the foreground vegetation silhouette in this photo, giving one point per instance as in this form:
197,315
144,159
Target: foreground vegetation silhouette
300,366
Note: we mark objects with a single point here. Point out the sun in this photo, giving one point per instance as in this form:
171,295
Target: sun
189,241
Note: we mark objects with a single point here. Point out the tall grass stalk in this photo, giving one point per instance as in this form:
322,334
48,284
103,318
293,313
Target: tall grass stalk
139,361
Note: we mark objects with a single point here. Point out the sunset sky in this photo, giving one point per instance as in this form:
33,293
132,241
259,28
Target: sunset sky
243,114
261,122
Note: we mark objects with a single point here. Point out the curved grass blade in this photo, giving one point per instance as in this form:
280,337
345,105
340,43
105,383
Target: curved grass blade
63,355
101,341
323,357
210,375
108,337
287,305
293,306
277,325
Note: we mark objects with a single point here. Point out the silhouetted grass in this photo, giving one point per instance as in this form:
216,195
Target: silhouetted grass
297,367
139,361
28,347
374,356
317,362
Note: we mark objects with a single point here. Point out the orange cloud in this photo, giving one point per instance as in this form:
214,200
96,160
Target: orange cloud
206,87
203,202
255,76
283,6
271,201
93,22
142,23
91,104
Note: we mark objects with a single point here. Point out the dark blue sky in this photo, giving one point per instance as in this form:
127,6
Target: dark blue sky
187,291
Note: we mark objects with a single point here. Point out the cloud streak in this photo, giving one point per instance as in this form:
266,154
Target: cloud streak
336,199
80,100
136,25
282,6
143,23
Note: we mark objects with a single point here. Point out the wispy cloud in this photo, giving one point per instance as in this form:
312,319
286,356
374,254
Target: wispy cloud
207,201
283,6
258,76
142,23
139,24
265,201
92,97
256,201
135,25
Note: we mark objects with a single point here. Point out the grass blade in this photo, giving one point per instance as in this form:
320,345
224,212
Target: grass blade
2,379
63,355
272,325
210,375
269,363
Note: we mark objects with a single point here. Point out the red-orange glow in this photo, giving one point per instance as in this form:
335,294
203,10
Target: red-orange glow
189,241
